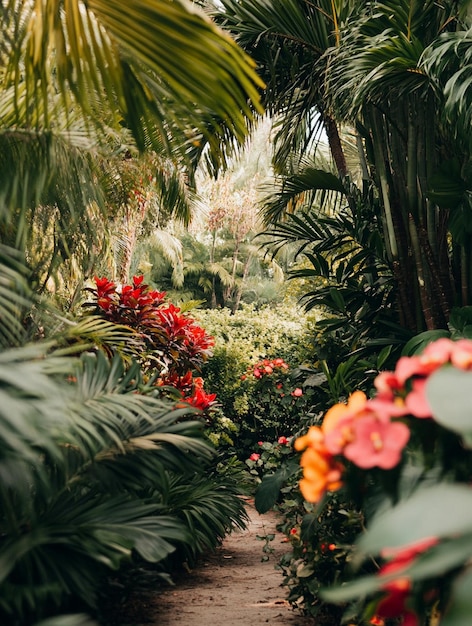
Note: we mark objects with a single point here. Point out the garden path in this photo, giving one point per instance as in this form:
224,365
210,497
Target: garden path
231,587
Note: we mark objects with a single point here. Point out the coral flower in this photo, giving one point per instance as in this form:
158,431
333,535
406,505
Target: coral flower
416,401
254,456
408,366
314,438
376,443
338,421
355,405
297,393
444,350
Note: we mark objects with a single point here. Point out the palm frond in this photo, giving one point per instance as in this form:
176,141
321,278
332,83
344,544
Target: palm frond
14,296
69,435
300,191
448,61
104,47
171,249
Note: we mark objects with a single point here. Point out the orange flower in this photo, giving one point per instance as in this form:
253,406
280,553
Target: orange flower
321,473
355,406
314,439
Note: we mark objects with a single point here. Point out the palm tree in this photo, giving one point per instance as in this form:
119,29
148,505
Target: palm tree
394,72
82,82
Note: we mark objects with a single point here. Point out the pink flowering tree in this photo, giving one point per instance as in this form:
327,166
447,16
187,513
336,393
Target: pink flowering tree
412,440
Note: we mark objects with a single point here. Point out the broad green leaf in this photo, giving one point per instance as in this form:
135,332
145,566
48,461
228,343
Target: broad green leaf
426,514
448,393
419,342
460,608
268,491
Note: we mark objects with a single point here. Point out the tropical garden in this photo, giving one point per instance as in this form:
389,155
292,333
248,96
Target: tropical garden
235,258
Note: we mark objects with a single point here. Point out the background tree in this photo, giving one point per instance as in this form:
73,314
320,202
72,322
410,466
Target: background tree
81,83
393,72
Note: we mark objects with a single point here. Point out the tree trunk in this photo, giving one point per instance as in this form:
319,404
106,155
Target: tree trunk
335,145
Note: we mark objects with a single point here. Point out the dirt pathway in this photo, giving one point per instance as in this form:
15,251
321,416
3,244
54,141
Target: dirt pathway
231,587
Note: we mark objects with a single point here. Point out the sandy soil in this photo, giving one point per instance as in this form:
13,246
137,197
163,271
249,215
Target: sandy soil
228,588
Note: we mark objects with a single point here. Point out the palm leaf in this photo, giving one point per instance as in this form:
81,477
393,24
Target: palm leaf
301,189
65,446
14,296
138,56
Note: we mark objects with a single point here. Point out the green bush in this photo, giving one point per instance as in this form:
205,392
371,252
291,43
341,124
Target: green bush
241,341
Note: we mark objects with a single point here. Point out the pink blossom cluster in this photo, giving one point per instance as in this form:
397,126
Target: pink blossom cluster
374,432
267,367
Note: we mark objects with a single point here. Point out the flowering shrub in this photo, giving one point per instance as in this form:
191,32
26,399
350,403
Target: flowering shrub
167,336
320,536
272,403
412,439
245,338
170,346
268,457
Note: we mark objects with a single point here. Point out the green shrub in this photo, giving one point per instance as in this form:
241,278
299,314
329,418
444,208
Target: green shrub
241,341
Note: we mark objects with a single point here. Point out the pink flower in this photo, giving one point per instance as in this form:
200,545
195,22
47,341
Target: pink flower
296,393
444,350
260,443
283,441
376,443
416,401
461,355
408,366
254,456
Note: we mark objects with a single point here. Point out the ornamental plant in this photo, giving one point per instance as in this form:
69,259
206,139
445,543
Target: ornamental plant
268,457
407,447
167,338
271,403
170,346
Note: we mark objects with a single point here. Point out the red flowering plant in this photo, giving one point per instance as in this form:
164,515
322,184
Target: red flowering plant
170,346
410,441
167,335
